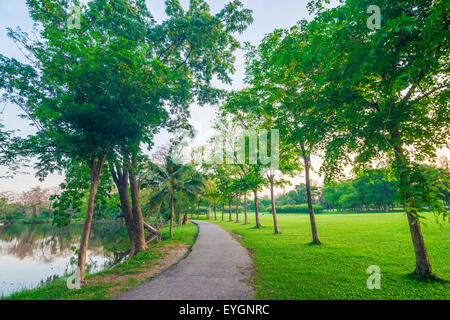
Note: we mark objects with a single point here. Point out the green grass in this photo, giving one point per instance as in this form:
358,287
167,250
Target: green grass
290,267
105,288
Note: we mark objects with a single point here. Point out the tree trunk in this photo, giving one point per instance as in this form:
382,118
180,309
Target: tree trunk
245,208
172,211
215,213
229,210
151,229
140,243
120,178
312,218
198,210
96,168
423,267
255,193
274,210
182,214
237,209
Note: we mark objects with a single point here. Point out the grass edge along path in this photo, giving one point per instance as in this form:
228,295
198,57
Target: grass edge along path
127,275
289,267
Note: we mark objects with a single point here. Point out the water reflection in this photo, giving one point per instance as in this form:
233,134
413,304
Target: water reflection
32,254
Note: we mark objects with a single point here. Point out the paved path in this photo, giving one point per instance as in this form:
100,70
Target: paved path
218,268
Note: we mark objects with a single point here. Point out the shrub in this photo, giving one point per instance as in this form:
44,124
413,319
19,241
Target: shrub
296,208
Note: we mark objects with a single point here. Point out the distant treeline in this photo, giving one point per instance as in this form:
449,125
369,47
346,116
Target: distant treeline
372,191
296,208
37,205
21,213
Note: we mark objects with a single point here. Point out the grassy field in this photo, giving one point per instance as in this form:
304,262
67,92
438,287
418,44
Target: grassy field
290,267
109,283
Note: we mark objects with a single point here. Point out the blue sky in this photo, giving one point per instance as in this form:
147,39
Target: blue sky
268,15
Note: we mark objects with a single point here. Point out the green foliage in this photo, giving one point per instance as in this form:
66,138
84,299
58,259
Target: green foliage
296,208
104,89
384,91
424,187
297,196
170,182
72,202
203,210
372,190
261,206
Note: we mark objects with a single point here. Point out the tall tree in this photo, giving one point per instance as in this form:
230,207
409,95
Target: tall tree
6,199
64,92
212,193
83,84
169,180
388,90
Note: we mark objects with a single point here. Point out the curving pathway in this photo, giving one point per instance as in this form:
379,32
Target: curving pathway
218,268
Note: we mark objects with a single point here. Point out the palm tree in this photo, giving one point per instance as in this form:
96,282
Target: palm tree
212,193
195,180
168,180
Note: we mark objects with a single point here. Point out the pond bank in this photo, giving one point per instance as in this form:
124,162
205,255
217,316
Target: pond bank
50,221
127,275
24,222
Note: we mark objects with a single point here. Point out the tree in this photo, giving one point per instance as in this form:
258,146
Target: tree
236,188
212,193
120,176
183,54
235,172
387,90
376,188
6,199
254,181
169,181
280,88
68,91
372,189
274,100
298,195
70,88
35,198
7,158
223,184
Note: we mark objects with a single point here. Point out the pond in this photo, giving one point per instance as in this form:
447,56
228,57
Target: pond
34,254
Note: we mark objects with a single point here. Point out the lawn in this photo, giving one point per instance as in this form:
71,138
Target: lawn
290,267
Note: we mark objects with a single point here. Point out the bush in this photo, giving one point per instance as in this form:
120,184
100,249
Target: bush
296,208
202,210
195,210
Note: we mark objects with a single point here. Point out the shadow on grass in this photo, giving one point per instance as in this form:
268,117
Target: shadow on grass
255,227
313,244
427,279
